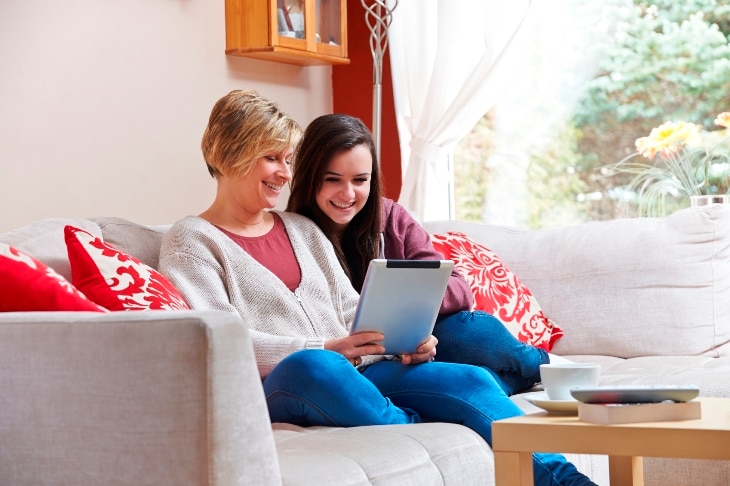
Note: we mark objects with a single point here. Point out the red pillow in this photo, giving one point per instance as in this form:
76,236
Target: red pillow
116,280
27,284
498,291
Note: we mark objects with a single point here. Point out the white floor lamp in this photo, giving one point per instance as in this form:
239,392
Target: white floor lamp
378,17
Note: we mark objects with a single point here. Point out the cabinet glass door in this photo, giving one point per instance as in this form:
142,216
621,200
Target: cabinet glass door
330,32
290,15
328,22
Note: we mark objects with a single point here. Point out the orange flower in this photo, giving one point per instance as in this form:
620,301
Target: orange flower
668,138
647,147
723,119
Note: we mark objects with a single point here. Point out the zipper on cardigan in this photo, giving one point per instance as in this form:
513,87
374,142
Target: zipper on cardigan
304,309
299,300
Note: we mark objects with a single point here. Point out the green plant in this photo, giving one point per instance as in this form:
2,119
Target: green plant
676,161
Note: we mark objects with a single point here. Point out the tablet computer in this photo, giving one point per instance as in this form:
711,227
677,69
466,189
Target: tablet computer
401,299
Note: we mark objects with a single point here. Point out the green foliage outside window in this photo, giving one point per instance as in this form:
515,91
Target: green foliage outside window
664,60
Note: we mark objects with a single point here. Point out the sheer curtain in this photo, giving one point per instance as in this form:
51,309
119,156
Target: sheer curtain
557,58
448,68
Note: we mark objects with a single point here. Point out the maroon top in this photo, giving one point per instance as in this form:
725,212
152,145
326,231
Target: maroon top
406,239
274,251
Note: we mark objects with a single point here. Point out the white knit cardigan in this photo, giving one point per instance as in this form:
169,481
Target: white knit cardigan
213,272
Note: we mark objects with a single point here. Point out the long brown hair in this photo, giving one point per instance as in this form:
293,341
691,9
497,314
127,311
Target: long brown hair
325,137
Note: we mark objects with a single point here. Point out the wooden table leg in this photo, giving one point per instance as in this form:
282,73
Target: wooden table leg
626,470
513,468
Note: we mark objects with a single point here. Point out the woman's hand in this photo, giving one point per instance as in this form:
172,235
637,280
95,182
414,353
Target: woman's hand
424,353
357,345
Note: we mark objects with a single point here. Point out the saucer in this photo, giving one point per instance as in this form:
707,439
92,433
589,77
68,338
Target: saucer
563,407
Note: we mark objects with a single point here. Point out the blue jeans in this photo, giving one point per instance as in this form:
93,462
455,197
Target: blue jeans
480,339
320,387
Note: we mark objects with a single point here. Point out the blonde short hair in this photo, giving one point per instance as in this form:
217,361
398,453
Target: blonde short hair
244,126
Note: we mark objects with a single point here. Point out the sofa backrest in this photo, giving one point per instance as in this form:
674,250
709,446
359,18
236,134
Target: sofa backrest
139,240
44,239
625,287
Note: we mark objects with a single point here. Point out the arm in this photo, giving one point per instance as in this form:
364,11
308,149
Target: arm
344,297
183,380
405,238
213,273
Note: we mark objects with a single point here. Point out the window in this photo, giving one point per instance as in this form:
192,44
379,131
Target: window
589,82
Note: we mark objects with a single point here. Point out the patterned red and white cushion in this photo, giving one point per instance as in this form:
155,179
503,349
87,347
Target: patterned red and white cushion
498,291
115,279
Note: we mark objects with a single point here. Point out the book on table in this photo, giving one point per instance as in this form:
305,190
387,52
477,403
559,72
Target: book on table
627,413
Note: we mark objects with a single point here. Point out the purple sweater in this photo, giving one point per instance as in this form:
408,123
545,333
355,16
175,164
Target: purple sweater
406,239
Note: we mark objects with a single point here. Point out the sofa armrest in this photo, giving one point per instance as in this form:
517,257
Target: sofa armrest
161,397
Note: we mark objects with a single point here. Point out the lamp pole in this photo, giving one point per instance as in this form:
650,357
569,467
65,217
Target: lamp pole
378,17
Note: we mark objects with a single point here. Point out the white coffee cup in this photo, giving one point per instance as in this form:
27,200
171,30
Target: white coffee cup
559,378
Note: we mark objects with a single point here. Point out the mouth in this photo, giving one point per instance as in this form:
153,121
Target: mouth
273,187
342,205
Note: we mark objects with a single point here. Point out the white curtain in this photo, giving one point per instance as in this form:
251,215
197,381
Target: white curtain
557,58
448,68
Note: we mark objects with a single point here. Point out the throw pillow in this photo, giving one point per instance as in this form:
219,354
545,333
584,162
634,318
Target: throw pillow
26,285
498,291
116,280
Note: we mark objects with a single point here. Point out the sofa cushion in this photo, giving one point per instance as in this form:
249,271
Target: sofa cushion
429,453
27,284
498,291
115,279
708,374
626,287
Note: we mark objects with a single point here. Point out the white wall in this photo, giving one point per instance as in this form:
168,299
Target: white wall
103,104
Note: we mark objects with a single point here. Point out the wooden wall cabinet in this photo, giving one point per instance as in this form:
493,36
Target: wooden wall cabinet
305,32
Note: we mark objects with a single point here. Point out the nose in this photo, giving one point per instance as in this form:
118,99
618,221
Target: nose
348,191
286,171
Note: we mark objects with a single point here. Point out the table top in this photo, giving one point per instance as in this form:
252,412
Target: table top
705,438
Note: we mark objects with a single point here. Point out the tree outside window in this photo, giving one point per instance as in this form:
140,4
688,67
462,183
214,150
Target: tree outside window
588,98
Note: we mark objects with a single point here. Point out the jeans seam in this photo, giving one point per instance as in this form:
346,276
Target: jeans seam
312,406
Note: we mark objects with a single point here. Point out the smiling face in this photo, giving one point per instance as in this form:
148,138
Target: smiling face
346,185
261,187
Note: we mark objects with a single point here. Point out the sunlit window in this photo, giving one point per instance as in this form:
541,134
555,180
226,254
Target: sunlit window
588,83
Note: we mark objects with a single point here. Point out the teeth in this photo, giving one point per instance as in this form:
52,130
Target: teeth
342,205
272,186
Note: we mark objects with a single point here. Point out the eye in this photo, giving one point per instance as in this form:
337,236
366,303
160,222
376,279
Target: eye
331,179
362,180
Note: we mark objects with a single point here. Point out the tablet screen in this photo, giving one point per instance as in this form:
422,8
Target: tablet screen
401,299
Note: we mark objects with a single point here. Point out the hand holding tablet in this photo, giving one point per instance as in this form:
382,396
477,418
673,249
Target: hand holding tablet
401,299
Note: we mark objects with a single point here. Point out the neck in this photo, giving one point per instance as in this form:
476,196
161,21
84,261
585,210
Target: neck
238,220
339,231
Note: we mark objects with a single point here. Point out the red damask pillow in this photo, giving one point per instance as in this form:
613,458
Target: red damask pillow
498,291
27,284
116,280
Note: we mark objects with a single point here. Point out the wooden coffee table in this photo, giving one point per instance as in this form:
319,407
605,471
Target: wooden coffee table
515,439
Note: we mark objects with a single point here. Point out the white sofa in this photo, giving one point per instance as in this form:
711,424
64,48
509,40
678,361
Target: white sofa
173,397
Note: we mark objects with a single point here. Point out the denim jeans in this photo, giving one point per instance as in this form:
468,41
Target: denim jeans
480,339
320,387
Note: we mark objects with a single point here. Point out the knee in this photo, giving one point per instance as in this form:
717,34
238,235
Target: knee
464,376
311,365
454,319
474,320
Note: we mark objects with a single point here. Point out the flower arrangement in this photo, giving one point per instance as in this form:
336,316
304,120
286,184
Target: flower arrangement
684,162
